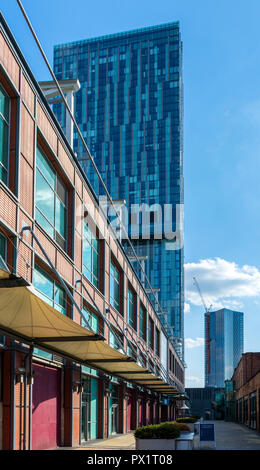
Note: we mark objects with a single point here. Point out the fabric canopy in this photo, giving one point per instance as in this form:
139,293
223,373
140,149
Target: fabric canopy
28,318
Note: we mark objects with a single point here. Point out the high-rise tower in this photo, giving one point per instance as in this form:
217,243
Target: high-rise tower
224,342
130,112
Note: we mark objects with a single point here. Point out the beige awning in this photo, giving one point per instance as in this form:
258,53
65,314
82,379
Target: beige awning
28,318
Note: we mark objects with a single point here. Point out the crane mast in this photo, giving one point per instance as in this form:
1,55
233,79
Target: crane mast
207,329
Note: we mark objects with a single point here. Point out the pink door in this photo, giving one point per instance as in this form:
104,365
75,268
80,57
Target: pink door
129,412
45,408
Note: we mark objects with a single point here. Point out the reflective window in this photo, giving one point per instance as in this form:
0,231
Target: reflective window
90,254
114,340
142,322
50,200
49,290
3,254
151,333
91,318
114,286
131,309
4,134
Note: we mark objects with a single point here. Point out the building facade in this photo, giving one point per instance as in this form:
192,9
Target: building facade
51,394
224,342
130,112
208,402
246,390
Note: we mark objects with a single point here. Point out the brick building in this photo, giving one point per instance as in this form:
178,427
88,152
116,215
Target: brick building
246,385
53,237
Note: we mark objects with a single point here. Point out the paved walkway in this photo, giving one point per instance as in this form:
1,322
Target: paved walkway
119,442
232,436
229,436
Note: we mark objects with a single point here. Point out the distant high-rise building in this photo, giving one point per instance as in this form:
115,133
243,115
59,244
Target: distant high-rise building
224,342
130,112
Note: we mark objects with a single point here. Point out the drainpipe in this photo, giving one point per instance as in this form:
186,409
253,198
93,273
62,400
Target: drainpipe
27,357
30,399
25,403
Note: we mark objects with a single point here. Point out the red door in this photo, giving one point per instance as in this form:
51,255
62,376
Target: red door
46,408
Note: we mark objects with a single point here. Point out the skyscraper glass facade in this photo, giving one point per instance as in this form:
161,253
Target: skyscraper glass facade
224,343
130,112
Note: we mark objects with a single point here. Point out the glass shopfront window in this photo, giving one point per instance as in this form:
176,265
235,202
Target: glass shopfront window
3,254
4,134
246,410
89,409
90,254
253,410
50,200
113,409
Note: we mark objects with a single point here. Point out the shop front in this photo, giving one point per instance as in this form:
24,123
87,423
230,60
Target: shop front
89,408
113,421
130,410
46,407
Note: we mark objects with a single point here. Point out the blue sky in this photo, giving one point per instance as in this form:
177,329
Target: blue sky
221,137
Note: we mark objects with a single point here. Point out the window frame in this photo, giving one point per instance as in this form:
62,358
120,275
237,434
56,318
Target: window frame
54,284
57,180
143,331
151,340
112,299
7,169
131,321
97,251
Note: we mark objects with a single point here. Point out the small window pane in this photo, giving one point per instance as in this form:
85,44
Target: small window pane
43,283
45,168
44,197
60,219
44,223
4,104
3,143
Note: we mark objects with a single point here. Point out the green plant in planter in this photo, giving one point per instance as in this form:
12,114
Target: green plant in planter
157,431
197,417
188,419
182,427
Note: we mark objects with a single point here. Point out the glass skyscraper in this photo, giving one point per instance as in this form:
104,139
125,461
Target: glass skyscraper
130,112
224,344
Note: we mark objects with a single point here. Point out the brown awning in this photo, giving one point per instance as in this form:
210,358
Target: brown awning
25,316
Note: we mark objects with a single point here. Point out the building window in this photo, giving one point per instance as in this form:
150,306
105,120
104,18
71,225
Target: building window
142,322
50,200
114,340
114,286
3,246
131,350
90,254
4,134
3,254
131,317
157,345
151,333
91,318
49,290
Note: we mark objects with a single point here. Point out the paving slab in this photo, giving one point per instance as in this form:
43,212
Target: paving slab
231,436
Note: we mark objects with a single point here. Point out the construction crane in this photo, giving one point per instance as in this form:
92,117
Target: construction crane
207,310
207,329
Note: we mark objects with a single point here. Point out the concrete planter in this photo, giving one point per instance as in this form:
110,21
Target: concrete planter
155,444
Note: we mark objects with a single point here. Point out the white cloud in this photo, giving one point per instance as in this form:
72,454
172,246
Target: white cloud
192,378
186,307
194,343
223,283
